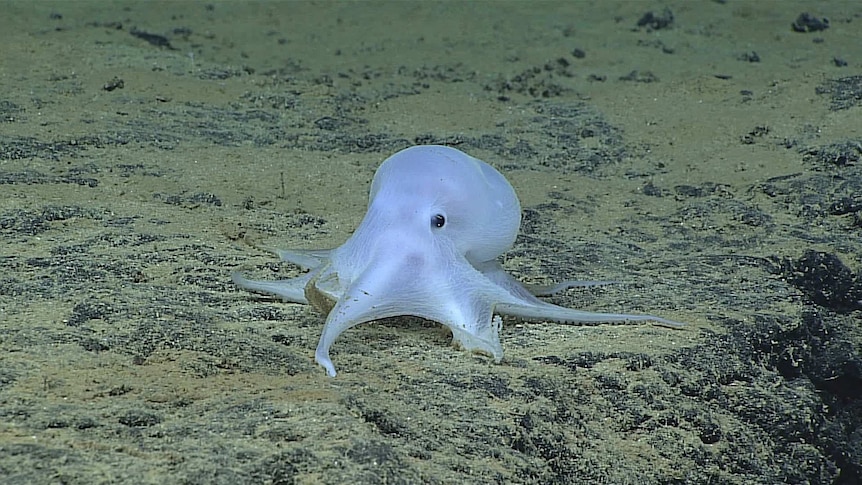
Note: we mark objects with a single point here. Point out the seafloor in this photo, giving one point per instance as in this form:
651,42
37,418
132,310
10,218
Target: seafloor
705,155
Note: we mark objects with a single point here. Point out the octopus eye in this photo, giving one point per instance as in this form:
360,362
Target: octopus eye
438,220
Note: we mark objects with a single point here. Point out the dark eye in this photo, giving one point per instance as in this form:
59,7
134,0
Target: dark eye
437,220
